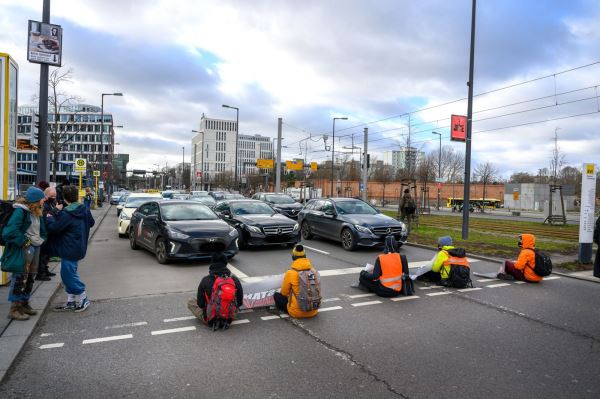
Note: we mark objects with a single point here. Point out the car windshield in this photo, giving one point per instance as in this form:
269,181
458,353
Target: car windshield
280,199
180,196
251,208
208,200
190,211
137,201
233,196
354,208
123,199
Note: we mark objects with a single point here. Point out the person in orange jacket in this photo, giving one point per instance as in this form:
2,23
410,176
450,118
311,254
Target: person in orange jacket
522,268
287,300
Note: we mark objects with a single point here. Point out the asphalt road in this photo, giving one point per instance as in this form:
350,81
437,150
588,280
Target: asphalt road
137,339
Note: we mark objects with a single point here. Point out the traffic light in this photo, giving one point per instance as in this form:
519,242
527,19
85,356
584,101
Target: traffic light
368,161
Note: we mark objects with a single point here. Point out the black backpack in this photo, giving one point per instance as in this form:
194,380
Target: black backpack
408,287
543,264
410,206
460,275
6,211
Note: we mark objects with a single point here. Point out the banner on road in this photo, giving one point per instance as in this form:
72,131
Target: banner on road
259,292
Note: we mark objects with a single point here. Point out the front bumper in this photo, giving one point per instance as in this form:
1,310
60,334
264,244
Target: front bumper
201,248
123,226
374,240
290,213
259,240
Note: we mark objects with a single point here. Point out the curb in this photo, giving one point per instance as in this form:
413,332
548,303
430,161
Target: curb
495,260
16,335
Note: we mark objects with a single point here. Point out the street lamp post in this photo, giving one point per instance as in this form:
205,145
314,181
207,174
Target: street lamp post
102,166
333,151
439,169
201,160
182,167
237,133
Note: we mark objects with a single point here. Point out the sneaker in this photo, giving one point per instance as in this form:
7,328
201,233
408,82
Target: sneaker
504,276
83,305
69,306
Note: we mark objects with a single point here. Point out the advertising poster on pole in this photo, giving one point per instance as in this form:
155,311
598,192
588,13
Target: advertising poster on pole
458,128
44,43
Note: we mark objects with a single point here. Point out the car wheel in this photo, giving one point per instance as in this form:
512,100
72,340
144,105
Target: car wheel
241,240
306,231
348,240
132,241
160,251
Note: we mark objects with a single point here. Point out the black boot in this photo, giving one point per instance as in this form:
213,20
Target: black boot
42,276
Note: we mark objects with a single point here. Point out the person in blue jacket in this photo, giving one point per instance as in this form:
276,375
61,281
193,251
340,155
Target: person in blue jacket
24,234
71,229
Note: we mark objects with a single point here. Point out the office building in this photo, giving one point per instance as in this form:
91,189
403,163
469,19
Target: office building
407,158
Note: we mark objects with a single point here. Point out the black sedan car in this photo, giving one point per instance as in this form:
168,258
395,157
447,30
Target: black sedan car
350,221
174,229
282,203
258,224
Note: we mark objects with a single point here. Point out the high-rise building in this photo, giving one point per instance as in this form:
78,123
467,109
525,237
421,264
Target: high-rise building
407,158
213,151
74,133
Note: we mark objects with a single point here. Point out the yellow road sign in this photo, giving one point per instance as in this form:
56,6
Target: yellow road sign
313,166
80,165
97,173
264,163
294,165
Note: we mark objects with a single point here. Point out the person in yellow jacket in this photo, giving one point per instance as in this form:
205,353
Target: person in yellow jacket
287,300
440,272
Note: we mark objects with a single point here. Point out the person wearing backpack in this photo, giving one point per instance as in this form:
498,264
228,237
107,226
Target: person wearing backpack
23,237
523,268
390,275
450,267
220,294
408,206
300,295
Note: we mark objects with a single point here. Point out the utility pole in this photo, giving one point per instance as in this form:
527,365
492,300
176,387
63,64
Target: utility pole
365,171
439,170
182,166
43,161
278,160
467,185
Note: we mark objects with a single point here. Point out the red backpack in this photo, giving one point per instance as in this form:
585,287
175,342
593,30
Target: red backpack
221,308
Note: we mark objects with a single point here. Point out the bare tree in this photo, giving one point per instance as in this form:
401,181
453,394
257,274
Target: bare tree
58,103
383,174
485,173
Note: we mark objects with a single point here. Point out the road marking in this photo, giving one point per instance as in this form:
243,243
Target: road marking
431,287
46,334
421,263
236,271
51,346
520,282
106,339
497,285
270,317
317,250
366,303
246,311
483,280
404,298
339,272
330,308
173,330
179,319
284,315
440,293
331,299
242,321
551,278
360,295
139,323
469,289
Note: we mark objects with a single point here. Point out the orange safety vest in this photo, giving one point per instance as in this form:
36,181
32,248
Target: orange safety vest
391,271
454,260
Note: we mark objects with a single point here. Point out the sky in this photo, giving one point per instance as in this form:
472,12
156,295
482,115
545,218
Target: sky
382,64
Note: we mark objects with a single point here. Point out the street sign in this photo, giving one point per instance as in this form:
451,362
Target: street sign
314,166
458,128
515,194
44,44
294,165
96,173
198,173
362,186
80,165
265,163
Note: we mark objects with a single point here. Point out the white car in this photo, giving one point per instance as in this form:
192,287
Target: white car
133,202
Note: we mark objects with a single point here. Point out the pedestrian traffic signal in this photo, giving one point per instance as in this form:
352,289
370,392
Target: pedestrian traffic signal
368,161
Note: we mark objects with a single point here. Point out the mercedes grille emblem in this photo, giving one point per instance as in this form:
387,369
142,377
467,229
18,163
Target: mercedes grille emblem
278,231
389,230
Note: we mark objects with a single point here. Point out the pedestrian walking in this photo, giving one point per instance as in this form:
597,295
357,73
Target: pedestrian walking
51,207
24,234
70,229
408,207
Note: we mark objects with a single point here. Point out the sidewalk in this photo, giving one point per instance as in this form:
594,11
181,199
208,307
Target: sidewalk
14,334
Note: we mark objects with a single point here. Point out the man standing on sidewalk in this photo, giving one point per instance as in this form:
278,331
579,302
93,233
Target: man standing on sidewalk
51,207
71,228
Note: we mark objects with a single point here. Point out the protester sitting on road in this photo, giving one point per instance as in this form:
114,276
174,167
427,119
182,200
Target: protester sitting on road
50,208
70,230
300,295
386,277
523,268
24,234
220,294
439,271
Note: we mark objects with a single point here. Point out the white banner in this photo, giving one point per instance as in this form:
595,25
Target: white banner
588,202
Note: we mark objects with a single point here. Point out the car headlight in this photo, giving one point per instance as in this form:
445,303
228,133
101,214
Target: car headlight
123,216
254,229
362,229
296,227
233,233
403,228
177,235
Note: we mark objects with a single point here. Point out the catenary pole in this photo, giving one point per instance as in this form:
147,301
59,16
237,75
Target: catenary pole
43,161
278,160
365,170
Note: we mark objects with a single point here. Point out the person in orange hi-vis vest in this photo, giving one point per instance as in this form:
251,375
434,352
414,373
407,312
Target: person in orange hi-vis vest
523,268
386,278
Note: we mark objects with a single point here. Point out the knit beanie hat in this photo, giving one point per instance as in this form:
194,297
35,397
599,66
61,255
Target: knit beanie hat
298,252
444,241
34,194
218,262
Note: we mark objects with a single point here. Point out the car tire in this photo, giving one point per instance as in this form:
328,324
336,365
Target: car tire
160,251
241,240
132,241
306,231
348,240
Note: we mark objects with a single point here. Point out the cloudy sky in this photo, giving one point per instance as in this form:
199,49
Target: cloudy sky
375,62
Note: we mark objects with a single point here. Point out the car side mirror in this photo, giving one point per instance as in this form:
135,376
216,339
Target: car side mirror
151,218
329,212
119,207
226,213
